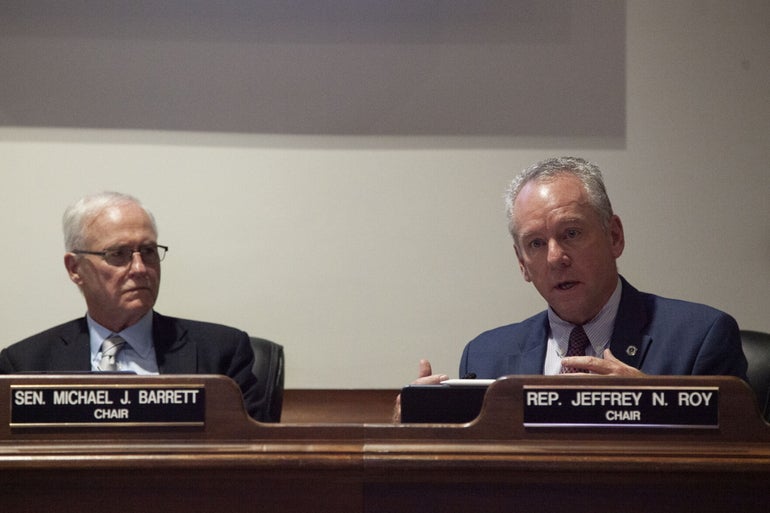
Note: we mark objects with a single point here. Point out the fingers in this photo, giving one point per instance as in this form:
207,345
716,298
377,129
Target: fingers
397,410
433,379
425,369
619,368
588,364
607,366
426,377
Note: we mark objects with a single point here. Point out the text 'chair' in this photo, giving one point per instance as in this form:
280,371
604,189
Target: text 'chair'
756,347
268,368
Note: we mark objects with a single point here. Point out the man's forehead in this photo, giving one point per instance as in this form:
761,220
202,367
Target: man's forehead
128,217
552,217
553,221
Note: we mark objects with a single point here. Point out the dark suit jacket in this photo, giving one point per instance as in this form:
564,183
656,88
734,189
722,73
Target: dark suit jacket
181,347
654,334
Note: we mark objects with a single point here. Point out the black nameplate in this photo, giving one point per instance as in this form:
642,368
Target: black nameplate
107,405
623,407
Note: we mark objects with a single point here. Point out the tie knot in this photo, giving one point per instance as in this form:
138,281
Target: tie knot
578,341
110,348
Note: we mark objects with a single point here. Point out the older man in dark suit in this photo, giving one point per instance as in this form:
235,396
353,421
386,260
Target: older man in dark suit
113,256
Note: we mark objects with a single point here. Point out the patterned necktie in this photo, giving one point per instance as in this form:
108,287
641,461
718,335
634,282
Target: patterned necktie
578,341
110,348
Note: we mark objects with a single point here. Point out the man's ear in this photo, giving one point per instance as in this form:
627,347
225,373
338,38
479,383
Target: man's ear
72,264
522,267
617,237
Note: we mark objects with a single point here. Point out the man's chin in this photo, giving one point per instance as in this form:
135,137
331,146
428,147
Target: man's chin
570,309
139,303
142,295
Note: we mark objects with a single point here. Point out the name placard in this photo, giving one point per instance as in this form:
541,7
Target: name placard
621,406
35,406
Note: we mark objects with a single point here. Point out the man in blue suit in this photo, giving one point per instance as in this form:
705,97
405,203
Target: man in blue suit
567,239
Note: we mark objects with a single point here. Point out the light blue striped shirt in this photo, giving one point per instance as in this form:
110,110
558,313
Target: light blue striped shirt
599,330
139,353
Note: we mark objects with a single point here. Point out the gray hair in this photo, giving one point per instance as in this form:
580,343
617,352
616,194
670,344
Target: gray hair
588,174
78,215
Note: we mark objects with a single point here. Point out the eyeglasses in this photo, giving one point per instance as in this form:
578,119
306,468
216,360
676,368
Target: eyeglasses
151,254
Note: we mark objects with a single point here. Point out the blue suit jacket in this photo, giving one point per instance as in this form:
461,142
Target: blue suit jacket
654,334
181,347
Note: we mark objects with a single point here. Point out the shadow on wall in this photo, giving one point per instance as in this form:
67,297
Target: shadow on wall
338,67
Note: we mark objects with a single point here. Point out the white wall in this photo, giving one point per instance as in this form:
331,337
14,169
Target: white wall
362,254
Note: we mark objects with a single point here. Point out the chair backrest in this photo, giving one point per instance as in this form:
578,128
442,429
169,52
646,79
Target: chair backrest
268,368
756,347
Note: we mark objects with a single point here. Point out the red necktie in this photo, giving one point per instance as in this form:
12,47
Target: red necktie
578,341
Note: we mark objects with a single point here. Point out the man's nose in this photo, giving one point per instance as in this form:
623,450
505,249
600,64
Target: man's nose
556,254
137,263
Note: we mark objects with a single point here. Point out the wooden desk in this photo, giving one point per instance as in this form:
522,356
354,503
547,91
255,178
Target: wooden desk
364,406
492,464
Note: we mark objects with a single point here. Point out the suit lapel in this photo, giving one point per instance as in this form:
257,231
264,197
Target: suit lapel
533,346
174,351
629,343
74,352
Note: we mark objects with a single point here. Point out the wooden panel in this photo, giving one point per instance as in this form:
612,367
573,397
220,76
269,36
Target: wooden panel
323,406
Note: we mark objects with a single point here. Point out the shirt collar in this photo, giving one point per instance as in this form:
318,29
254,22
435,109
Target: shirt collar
599,329
138,336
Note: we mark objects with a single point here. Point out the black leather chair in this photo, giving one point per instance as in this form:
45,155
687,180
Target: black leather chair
756,347
268,368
